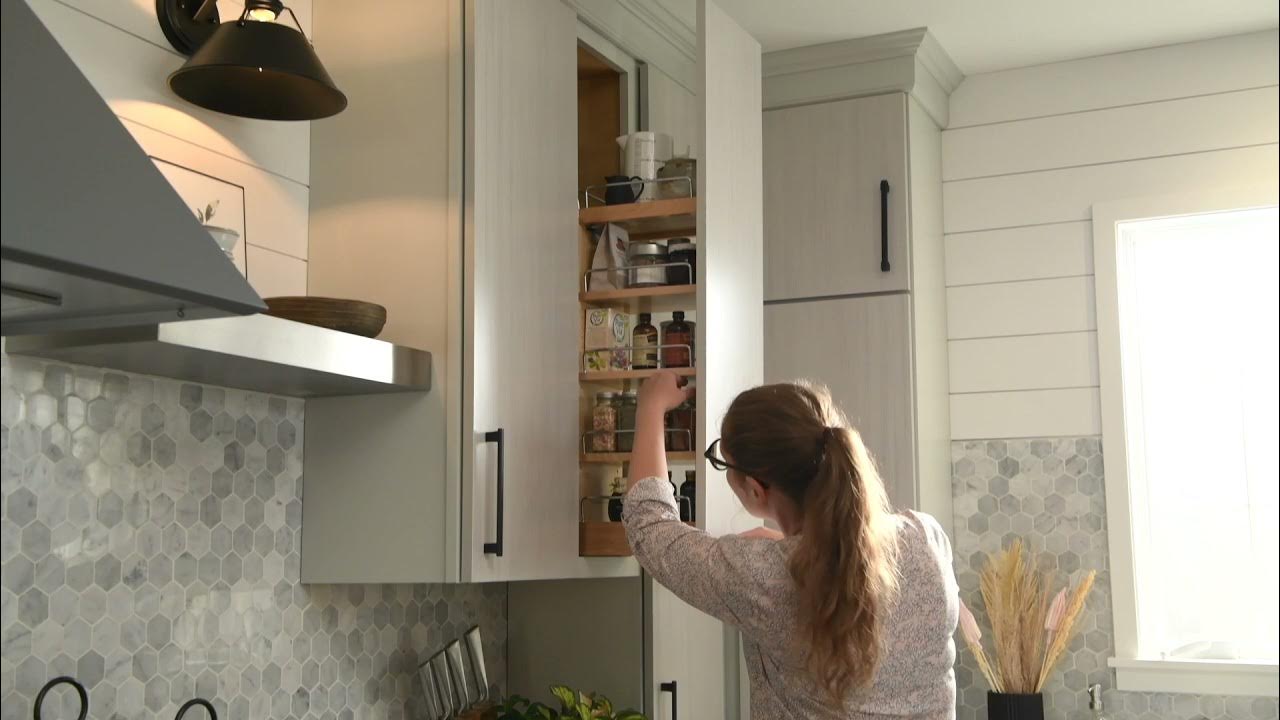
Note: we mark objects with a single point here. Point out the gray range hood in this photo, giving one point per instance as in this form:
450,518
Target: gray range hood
93,235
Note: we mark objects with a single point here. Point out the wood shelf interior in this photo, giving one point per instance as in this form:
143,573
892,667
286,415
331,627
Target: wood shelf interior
604,539
617,375
664,299
674,217
673,458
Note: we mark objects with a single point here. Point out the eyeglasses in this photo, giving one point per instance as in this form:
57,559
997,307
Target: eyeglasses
713,456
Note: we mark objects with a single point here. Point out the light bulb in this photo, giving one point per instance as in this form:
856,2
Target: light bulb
262,15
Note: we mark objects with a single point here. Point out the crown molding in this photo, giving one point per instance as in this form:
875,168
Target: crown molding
939,64
666,23
842,52
647,32
909,61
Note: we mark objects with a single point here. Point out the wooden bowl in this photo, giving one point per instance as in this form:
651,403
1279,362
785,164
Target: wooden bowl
350,316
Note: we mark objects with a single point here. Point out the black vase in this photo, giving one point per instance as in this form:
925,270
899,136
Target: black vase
1012,706
615,508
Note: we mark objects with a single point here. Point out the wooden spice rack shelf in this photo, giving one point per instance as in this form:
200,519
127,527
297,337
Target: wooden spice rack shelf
612,375
653,219
682,458
608,297
604,539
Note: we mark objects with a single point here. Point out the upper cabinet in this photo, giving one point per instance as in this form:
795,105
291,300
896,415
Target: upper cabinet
520,394
449,191
835,191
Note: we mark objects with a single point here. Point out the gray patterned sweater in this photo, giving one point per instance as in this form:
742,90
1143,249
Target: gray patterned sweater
745,582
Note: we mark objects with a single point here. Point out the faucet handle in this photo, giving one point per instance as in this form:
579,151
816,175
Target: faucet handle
1095,697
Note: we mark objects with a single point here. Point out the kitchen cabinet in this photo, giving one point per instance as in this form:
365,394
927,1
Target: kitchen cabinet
880,348
447,193
827,168
469,233
861,349
473,481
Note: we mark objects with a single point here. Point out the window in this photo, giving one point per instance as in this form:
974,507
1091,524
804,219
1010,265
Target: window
1187,322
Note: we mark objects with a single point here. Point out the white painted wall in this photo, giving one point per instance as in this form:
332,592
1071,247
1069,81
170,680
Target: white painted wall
119,46
1026,155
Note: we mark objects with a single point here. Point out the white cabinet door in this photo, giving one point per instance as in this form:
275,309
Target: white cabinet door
519,512
860,348
823,171
692,655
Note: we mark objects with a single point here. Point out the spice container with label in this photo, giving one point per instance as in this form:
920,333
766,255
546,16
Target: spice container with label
677,342
605,338
644,344
689,491
646,259
682,250
604,423
627,421
679,430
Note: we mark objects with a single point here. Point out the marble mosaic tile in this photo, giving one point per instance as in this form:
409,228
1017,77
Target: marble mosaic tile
1049,491
150,548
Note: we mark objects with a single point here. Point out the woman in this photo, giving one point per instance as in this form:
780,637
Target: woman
849,611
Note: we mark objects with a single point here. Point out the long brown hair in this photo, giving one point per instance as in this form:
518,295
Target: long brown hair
793,438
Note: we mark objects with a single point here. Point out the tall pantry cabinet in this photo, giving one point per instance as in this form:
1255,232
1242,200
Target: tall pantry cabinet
447,193
854,275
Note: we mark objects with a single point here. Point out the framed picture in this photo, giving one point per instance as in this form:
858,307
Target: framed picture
216,203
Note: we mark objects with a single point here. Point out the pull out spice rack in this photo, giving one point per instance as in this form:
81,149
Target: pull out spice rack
644,221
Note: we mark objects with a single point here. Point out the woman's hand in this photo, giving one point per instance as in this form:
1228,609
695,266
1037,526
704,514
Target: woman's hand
660,393
663,392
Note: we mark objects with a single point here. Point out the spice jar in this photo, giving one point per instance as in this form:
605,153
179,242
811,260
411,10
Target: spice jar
643,257
627,421
604,423
644,344
689,493
677,342
682,250
679,432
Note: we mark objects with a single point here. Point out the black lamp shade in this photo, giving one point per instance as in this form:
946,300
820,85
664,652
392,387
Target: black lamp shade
258,70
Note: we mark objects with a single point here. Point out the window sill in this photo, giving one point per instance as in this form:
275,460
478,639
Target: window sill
1204,677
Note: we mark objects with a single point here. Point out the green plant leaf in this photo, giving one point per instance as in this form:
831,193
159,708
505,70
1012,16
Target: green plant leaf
567,697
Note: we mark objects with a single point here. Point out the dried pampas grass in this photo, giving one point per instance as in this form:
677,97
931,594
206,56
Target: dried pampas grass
1029,632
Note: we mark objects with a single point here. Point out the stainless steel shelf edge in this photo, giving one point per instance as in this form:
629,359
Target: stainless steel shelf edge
256,352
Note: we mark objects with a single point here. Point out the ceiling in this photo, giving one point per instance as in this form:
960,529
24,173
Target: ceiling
986,35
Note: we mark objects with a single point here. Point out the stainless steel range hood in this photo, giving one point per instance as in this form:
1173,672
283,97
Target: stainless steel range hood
93,235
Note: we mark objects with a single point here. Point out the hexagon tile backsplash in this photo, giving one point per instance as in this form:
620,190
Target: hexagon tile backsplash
1049,491
150,548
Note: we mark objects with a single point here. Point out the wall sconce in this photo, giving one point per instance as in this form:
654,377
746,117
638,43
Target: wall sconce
253,67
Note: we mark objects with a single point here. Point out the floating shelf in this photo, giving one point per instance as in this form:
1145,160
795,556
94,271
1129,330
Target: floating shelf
681,458
654,219
612,375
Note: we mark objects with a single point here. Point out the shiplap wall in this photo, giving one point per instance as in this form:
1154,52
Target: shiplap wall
119,46
1027,153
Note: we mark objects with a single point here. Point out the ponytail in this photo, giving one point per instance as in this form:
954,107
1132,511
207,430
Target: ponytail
793,438
843,565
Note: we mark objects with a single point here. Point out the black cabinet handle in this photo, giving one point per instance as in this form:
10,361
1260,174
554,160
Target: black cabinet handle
670,687
884,226
496,436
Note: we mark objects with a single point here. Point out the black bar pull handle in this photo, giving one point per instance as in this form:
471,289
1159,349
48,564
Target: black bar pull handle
670,687
496,436
884,226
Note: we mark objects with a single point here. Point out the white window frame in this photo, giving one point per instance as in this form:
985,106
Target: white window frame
1132,671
